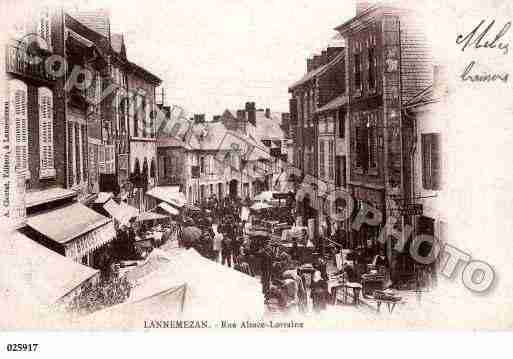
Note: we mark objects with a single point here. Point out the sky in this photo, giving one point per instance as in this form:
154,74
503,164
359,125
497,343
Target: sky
217,55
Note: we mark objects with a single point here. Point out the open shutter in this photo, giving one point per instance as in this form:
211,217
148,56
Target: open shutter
101,158
435,161
18,98
44,26
46,146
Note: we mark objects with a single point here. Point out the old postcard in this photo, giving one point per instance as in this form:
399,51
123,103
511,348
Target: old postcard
255,165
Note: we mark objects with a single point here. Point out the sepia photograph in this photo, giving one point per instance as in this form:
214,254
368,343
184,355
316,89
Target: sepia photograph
274,166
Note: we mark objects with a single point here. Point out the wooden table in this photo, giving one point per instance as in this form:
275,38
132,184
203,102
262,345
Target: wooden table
356,287
389,302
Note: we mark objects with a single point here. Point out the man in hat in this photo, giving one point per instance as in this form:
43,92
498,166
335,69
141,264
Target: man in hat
267,260
226,250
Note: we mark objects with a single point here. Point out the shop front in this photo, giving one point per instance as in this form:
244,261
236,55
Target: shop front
72,230
365,238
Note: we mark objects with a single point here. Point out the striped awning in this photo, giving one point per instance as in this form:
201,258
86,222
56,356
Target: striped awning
75,227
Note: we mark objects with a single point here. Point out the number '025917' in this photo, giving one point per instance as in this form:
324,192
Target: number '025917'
22,347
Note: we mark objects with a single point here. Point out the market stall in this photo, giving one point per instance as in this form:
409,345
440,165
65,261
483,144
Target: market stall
213,291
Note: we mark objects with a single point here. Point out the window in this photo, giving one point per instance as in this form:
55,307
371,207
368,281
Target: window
136,109
340,171
431,161
321,159
18,94
357,72
361,148
143,117
202,165
110,159
342,113
372,68
373,147
331,169
46,146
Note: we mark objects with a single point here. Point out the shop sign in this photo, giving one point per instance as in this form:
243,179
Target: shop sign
411,209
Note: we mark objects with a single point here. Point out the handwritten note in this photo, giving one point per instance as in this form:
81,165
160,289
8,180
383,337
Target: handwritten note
484,37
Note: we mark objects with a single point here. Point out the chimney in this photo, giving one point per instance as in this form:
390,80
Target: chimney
309,65
251,110
361,6
317,61
241,115
324,57
199,118
268,113
332,52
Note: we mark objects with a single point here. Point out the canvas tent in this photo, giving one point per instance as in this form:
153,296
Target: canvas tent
133,315
33,279
213,291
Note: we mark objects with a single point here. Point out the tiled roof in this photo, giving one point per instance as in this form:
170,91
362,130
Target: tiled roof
334,104
318,71
145,73
268,128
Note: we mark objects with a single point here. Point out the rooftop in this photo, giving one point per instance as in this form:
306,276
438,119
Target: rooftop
318,71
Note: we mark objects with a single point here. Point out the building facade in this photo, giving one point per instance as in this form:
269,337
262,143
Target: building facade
428,178
65,94
142,134
388,62
313,132
53,70
228,156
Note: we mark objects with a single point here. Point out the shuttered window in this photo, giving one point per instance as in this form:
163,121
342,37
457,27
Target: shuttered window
373,148
46,145
44,26
18,94
101,159
431,161
321,159
362,148
357,72
331,154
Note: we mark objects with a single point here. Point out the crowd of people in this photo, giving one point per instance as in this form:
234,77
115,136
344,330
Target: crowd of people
227,237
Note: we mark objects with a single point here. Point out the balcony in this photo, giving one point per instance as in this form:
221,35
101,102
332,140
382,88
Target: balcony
19,62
